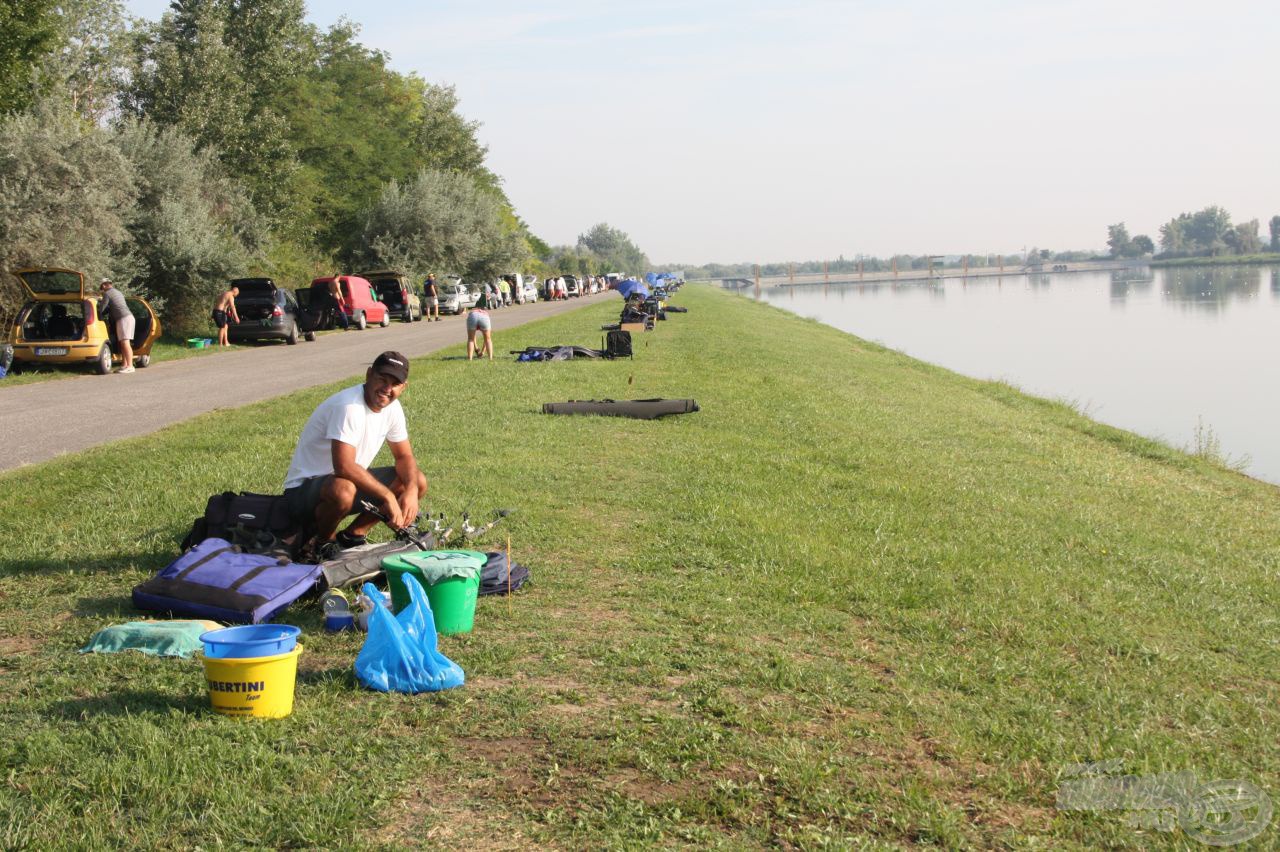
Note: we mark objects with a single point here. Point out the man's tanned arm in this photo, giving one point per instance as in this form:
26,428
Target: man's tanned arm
345,467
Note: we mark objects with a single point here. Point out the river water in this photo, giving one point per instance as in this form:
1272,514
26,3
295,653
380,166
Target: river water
1182,355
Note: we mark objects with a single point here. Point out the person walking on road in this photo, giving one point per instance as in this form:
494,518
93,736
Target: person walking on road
478,321
432,295
222,311
113,308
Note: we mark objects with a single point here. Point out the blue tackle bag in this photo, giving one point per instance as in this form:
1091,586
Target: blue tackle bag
215,579
401,653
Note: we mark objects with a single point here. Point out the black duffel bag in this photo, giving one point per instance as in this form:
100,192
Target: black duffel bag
258,523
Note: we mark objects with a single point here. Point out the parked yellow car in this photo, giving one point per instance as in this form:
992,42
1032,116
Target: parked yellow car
60,324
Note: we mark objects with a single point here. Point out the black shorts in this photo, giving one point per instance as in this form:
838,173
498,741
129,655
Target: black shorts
220,319
302,499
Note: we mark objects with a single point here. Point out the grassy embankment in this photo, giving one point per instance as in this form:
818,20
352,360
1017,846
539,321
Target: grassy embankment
1233,260
856,597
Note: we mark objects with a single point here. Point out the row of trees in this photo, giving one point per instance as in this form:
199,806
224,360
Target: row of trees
1207,233
1122,245
231,137
867,263
1210,233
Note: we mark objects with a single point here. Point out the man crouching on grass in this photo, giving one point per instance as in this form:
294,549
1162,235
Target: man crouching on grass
329,474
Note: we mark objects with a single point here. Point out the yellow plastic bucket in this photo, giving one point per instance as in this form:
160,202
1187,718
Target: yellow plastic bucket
258,687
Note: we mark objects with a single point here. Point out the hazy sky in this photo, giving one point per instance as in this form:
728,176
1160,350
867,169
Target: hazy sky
755,130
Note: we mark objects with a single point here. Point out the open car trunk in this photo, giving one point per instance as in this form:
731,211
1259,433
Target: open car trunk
391,294
256,301
52,284
255,309
63,322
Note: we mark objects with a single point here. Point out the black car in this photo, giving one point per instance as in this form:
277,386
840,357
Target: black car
267,312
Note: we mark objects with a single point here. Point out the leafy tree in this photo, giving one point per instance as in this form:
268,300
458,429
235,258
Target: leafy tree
1118,240
1275,233
87,66
574,260
1207,230
445,139
614,249
65,193
28,30
542,251
1142,244
1173,238
358,125
441,220
191,229
1243,238
216,69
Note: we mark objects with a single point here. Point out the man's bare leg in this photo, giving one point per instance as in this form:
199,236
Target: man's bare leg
336,499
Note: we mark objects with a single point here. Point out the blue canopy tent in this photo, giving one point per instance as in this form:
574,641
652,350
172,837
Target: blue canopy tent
630,286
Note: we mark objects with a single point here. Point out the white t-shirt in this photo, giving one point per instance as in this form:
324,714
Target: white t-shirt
344,417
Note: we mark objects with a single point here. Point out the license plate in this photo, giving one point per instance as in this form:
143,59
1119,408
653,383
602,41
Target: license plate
51,350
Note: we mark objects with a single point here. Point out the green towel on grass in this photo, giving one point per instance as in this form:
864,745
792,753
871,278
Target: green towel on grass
437,565
157,638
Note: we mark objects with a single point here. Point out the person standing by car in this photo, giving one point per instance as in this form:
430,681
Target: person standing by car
335,305
226,309
113,308
432,297
330,472
478,321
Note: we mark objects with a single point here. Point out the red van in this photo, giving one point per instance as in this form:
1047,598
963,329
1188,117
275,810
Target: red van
359,302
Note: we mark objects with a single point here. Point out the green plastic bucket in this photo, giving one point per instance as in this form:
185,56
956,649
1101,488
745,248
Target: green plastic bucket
452,599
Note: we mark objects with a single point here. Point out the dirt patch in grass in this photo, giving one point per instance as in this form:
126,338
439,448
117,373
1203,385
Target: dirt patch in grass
448,814
654,792
958,780
310,663
529,775
18,646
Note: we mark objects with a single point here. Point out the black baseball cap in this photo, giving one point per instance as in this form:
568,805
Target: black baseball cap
393,364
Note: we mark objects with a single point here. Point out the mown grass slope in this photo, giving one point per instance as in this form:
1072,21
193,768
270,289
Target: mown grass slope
855,600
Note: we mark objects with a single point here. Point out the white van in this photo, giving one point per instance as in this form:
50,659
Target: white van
516,280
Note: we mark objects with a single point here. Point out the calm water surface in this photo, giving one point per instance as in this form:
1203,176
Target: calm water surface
1159,352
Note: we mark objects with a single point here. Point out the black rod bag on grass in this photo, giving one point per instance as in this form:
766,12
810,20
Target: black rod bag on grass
640,409
362,564
244,515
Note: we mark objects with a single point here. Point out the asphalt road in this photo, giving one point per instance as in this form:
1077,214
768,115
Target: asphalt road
46,419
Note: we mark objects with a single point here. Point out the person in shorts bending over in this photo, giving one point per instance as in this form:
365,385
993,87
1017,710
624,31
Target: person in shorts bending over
224,309
330,473
478,322
113,308
432,295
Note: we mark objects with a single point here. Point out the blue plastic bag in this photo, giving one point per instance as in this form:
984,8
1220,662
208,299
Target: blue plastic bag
401,653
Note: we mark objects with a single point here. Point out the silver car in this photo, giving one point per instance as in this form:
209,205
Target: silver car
455,297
